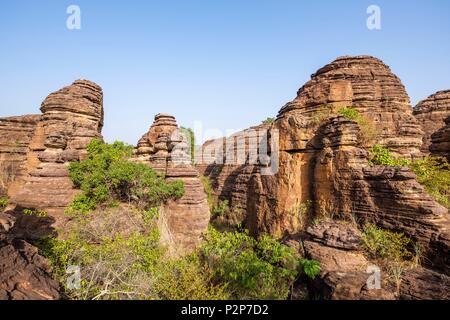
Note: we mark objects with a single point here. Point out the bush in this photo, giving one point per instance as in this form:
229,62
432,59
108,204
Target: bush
268,121
3,203
385,244
252,269
368,130
107,176
310,267
382,156
35,213
434,174
125,262
209,191
190,137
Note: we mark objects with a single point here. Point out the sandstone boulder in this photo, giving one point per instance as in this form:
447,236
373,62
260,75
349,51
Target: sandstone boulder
431,114
165,148
71,118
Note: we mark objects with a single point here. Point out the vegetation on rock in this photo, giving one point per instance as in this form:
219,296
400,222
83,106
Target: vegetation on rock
190,136
107,176
368,131
264,269
432,172
268,121
3,203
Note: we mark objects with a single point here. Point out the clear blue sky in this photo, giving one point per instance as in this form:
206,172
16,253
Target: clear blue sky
229,64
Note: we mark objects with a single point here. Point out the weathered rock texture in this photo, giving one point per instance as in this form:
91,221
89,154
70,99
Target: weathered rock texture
165,149
344,267
15,137
24,274
323,167
431,114
440,141
364,83
71,118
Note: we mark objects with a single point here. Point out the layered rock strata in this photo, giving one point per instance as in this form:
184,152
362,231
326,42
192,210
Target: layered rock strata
440,141
431,113
165,148
71,118
324,172
16,134
363,83
24,274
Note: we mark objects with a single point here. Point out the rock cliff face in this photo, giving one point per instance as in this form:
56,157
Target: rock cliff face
16,134
431,114
165,148
24,274
363,83
71,118
324,172
440,141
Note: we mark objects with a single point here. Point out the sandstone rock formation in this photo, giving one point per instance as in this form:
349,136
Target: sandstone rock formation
15,137
440,141
323,170
164,147
24,274
71,118
431,114
362,82
344,267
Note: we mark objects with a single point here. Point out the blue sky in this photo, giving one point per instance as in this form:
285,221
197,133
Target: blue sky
229,64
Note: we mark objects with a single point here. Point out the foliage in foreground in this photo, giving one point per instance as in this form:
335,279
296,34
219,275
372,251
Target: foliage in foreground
3,203
107,176
385,244
120,257
264,269
432,172
126,263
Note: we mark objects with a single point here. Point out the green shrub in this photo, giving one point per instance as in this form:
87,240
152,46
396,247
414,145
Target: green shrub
368,130
434,174
35,213
310,267
385,244
252,269
189,134
209,191
221,209
3,203
125,262
268,121
107,176
350,114
382,156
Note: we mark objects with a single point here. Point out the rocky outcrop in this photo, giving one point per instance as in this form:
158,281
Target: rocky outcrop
344,268
431,114
24,274
388,196
71,118
323,172
363,83
15,137
440,141
164,147
366,84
